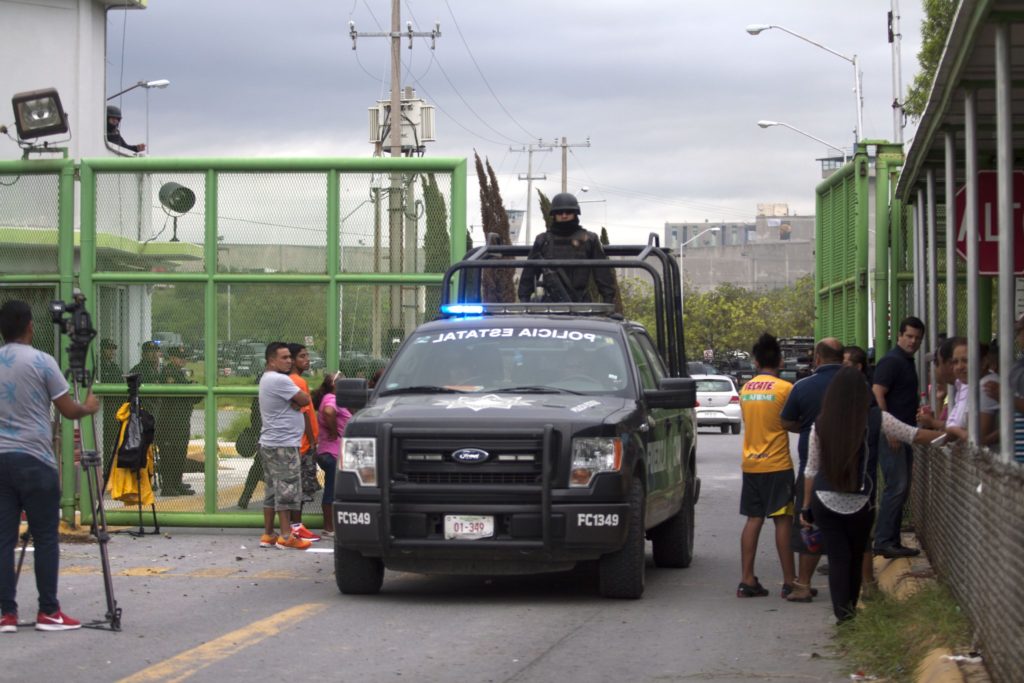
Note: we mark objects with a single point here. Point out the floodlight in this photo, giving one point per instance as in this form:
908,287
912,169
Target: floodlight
38,113
176,200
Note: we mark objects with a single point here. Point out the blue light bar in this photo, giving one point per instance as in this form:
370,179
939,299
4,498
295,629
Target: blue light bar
462,309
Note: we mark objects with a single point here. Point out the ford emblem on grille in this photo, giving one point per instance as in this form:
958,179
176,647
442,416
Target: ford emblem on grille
470,455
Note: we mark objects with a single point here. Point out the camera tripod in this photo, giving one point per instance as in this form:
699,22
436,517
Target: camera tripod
92,465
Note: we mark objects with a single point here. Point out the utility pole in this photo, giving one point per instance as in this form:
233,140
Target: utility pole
395,194
897,81
529,178
396,34
565,157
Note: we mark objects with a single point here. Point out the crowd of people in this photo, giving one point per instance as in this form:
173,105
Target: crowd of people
853,422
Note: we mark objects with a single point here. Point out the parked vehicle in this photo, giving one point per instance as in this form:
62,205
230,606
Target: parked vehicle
718,403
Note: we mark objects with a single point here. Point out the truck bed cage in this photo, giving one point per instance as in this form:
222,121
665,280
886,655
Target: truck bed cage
667,284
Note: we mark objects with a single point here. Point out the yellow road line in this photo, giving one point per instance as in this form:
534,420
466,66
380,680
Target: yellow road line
190,662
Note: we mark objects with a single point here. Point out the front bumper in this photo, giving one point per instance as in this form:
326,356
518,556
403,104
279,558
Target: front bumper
572,531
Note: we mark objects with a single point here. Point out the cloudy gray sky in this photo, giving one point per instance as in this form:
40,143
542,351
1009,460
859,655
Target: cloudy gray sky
668,91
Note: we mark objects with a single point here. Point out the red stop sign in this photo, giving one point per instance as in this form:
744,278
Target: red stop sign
988,223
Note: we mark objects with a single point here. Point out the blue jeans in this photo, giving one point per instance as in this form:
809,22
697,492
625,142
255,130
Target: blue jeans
27,483
896,470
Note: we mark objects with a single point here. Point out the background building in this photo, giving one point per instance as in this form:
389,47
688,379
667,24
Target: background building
775,250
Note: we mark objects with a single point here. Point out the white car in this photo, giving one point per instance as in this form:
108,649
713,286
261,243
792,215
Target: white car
718,403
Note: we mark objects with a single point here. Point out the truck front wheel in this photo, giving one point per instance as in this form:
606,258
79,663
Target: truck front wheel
621,573
357,575
672,540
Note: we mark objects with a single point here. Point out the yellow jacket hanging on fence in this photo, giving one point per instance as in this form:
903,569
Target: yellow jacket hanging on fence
127,486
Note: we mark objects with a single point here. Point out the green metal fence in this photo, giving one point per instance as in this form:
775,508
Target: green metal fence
849,202
342,255
841,265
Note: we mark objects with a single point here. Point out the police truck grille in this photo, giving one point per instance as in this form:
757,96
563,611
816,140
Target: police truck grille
508,461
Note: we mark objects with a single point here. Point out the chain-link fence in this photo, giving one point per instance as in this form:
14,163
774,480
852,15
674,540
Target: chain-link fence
194,266
965,504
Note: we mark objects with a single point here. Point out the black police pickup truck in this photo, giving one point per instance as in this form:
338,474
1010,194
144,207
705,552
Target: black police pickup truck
523,438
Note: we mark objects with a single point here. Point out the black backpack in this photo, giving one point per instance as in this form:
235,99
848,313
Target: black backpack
136,438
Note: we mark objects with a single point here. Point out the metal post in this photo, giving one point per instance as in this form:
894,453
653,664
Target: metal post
932,282
897,64
952,327
881,276
920,269
860,293
565,165
971,221
860,98
1004,167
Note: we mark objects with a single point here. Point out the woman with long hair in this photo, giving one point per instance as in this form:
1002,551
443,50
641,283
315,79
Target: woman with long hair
332,421
839,479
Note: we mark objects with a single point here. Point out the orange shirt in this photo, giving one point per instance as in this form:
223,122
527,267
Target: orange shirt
307,411
765,442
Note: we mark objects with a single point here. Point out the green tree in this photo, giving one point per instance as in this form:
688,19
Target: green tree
938,19
436,241
496,283
545,208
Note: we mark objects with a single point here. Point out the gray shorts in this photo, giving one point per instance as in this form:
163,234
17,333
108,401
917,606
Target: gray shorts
282,475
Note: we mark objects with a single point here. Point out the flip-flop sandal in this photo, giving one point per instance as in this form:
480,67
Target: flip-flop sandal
808,597
788,588
747,591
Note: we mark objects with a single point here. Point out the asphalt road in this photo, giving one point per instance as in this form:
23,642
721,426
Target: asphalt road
205,605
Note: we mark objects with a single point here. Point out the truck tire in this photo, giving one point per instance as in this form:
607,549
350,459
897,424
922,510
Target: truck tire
357,575
724,428
621,573
672,540
736,428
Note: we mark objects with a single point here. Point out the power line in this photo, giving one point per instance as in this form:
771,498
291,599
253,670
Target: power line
480,71
463,99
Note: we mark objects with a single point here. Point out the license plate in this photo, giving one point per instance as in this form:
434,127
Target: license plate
468,527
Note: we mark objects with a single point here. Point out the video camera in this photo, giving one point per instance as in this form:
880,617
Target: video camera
74,321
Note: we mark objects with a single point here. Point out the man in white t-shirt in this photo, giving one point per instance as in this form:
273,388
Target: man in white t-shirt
30,381
280,439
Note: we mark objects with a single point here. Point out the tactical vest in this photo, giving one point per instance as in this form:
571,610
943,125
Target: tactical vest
575,246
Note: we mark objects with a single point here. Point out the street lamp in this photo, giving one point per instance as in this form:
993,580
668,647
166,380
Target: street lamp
756,29
161,83
769,124
682,271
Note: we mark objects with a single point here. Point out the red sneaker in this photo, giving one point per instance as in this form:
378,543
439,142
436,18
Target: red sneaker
305,534
58,621
9,623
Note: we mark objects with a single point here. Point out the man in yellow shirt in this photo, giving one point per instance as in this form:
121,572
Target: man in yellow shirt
767,466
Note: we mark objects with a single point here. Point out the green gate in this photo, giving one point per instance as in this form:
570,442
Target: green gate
216,258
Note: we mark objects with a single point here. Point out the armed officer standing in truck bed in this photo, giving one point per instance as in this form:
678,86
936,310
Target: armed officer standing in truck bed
566,239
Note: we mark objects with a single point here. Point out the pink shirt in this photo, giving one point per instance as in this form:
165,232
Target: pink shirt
325,444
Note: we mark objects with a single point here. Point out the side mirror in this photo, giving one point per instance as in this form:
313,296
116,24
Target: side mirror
352,393
673,392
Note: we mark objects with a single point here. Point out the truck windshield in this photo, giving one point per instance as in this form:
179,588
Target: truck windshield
515,359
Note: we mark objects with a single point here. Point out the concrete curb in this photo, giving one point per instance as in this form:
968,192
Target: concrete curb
899,579
936,667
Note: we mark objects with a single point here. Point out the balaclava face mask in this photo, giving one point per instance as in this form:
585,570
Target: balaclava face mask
566,228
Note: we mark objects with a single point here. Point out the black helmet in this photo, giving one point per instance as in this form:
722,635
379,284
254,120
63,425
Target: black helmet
113,111
563,201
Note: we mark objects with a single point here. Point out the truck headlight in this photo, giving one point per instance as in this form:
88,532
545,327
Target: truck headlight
359,456
592,455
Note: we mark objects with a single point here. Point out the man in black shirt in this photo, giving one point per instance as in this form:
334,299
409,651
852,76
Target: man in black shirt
896,390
